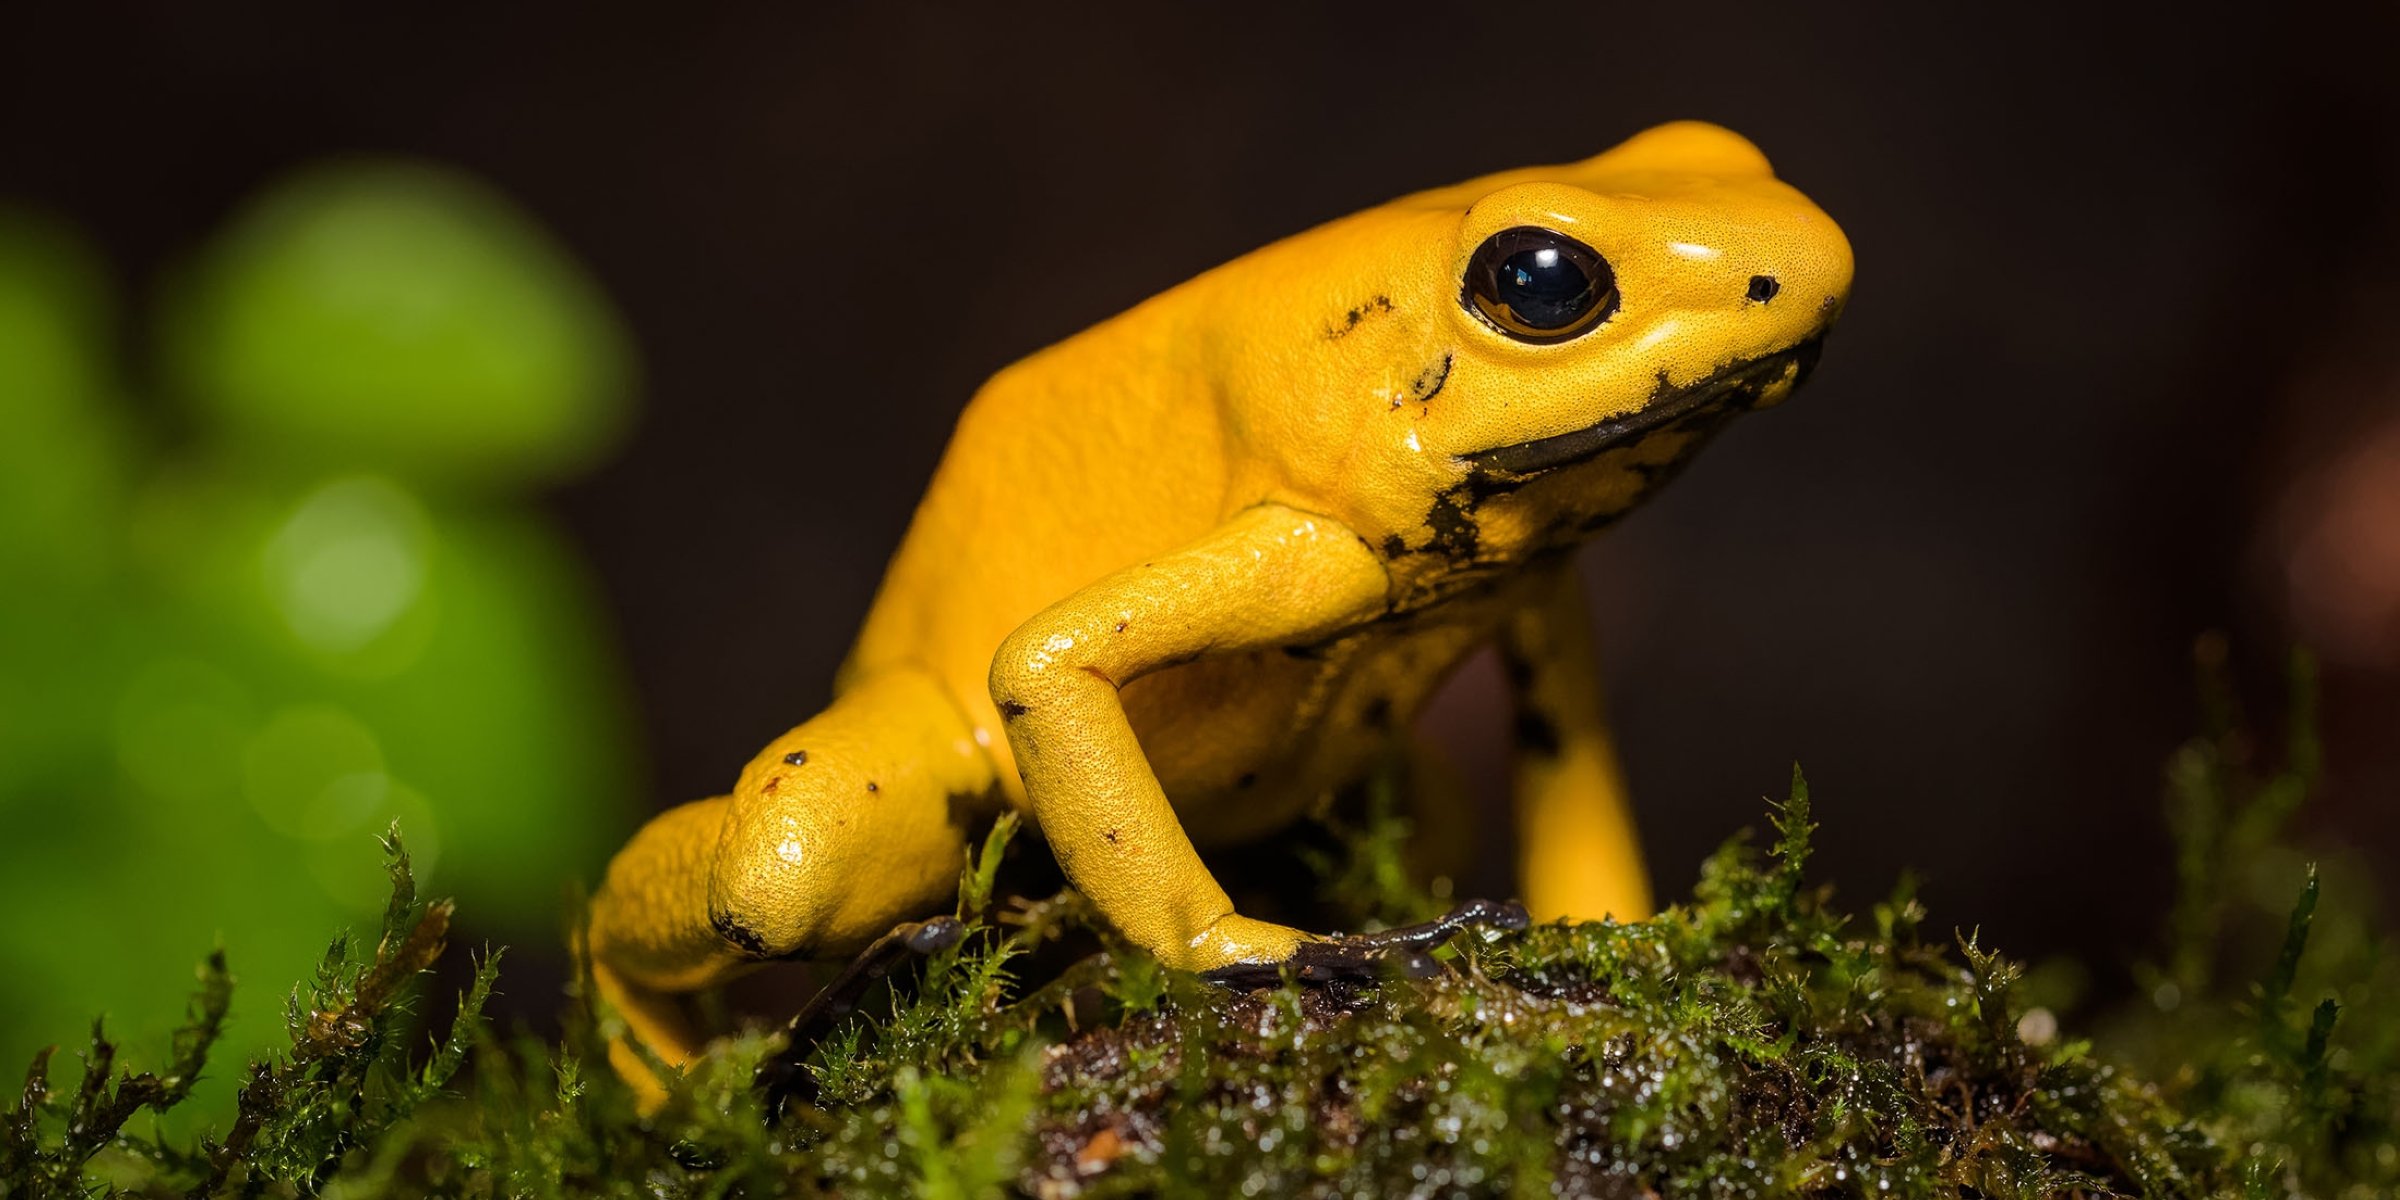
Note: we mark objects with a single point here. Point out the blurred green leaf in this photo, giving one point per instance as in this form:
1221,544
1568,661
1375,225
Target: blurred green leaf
223,665
397,315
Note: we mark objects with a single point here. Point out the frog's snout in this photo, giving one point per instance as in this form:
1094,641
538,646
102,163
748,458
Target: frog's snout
1803,296
1806,281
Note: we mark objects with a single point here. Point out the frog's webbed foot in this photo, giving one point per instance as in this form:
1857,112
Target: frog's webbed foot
784,1076
1359,958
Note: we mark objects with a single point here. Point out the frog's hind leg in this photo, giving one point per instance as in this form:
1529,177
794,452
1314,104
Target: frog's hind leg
839,830
1579,856
640,947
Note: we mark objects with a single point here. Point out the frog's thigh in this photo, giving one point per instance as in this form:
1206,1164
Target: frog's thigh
642,942
841,828
1578,856
850,823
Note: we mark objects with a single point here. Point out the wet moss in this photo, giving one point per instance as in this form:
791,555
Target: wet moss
1755,1040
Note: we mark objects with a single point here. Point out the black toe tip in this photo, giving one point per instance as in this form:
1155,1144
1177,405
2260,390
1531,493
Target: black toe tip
940,933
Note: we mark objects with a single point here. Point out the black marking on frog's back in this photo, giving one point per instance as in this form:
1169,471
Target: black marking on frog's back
1350,320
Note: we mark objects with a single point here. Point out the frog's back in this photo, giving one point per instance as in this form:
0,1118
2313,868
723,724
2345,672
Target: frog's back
1084,458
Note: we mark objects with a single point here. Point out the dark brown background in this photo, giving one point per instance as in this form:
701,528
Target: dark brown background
2122,276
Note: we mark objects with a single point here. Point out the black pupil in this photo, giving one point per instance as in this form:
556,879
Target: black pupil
1543,287
1539,285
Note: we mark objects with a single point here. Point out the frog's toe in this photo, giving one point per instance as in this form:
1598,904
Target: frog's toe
1495,914
1405,952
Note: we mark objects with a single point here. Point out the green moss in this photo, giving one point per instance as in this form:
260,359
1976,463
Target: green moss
1756,1040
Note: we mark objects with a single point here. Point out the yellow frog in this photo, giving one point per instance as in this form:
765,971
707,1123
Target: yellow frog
1183,574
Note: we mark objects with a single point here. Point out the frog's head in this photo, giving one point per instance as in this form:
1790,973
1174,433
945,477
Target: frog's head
1517,360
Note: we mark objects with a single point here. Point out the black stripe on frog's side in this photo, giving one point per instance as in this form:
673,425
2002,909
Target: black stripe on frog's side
1735,387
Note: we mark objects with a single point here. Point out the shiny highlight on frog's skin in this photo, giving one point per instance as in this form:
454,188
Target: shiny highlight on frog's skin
1184,575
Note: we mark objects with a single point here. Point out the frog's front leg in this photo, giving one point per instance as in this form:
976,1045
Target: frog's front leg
1269,576
1579,856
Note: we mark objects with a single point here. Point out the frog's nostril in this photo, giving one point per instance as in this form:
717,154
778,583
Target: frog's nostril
1763,288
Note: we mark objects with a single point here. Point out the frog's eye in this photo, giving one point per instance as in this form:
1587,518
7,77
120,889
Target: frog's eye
1538,285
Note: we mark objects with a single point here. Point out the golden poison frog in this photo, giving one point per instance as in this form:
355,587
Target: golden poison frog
1184,574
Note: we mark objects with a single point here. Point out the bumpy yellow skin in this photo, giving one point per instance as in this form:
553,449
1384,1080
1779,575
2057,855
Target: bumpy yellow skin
1182,575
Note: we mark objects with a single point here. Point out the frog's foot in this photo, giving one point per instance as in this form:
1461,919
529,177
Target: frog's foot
784,1076
1406,951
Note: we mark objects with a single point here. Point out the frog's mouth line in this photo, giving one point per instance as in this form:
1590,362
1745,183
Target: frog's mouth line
1735,387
